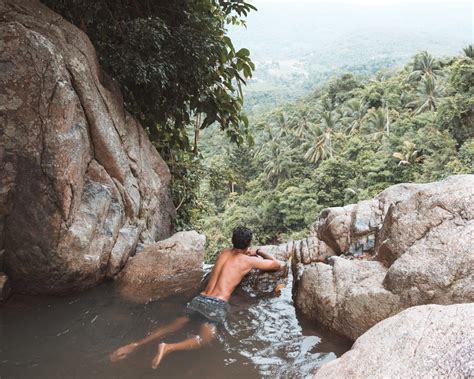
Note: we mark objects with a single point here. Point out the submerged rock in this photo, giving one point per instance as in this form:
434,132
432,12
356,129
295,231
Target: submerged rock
421,252
164,268
5,289
80,182
429,341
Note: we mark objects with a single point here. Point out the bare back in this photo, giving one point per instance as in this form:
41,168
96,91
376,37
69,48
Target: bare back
229,269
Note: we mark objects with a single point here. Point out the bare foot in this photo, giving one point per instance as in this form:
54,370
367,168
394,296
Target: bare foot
159,356
123,352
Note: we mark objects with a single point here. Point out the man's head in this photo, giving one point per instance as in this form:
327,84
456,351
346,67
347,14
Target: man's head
241,237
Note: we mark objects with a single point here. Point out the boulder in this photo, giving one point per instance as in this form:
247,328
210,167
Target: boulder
397,218
283,252
351,229
163,268
429,341
346,296
124,247
334,227
437,269
80,182
421,253
311,250
425,212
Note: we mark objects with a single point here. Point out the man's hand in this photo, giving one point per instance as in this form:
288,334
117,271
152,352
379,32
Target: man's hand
252,252
264,255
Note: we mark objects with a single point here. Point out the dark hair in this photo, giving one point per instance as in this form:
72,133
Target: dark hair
241,237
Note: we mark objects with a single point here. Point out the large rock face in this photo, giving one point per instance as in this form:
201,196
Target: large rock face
418,239
80,183
429,341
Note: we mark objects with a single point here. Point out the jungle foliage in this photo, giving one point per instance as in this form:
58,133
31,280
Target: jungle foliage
348,141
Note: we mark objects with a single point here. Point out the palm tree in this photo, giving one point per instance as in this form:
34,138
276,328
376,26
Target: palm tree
300,128
372,93
320,148
428,92
424,64
469,51
277,163
282,124
409,154
406,97
325,104
320,136
354,111
379,121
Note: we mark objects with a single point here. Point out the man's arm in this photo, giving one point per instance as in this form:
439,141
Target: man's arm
268,263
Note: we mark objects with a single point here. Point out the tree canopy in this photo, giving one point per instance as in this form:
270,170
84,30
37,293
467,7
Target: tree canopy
172,59
348,141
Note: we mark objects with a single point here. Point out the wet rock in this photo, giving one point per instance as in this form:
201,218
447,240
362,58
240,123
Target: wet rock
140,247
420,252
346,296
429,341
79,179
258,283
189,282
163,268
5,289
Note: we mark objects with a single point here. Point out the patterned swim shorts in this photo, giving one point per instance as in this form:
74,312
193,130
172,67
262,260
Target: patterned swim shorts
212,309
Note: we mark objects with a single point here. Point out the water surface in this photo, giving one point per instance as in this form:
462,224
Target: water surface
72,336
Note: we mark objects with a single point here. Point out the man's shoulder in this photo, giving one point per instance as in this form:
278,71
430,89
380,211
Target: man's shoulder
225,251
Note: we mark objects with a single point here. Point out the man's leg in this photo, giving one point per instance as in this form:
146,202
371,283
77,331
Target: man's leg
172,327
207,334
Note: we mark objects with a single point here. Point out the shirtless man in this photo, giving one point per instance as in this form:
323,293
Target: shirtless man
211,306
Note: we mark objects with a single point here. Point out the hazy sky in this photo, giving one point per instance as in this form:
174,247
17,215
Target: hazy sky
374,28
365,2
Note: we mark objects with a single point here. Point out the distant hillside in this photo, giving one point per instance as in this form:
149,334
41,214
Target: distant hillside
297,46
